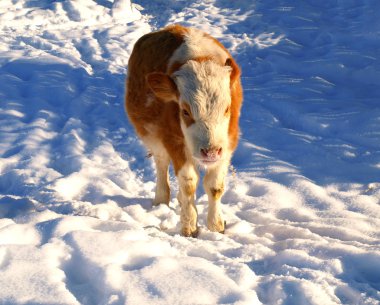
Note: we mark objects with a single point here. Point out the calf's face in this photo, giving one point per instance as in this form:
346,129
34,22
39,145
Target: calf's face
202,90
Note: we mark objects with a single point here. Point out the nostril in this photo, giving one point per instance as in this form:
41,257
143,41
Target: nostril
204,152
219,151
211,153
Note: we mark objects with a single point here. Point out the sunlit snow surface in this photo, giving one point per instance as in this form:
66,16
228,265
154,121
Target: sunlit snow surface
303,201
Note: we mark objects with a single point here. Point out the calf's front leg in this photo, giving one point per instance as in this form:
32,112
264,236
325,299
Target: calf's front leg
188,180
214,187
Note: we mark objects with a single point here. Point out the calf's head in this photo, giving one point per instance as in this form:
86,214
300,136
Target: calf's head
202,90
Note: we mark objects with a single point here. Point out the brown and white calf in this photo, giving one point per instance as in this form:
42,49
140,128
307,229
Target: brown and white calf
183,98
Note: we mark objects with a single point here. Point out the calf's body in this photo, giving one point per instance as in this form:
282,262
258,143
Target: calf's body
183,98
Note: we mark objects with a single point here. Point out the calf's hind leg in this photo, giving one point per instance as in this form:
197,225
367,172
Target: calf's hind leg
162,161
162,183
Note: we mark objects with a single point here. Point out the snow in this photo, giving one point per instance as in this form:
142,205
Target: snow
302,201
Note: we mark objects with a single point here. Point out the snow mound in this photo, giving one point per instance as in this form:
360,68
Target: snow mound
76,32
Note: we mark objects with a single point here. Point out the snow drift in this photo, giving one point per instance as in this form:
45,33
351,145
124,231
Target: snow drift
302,203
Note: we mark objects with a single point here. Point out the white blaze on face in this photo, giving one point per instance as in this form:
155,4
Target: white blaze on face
205,87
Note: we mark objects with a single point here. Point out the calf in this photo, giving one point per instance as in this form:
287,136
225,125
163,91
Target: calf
183,98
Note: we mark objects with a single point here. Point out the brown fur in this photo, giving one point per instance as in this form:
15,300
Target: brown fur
216,193
163,86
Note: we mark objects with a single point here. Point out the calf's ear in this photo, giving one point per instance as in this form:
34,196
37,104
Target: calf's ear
235,71
162,86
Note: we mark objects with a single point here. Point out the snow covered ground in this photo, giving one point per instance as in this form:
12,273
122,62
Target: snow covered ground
302,204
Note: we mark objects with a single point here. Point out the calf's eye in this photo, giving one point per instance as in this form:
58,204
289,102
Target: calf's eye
185,112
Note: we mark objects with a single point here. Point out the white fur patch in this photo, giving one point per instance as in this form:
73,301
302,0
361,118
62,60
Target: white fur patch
205,86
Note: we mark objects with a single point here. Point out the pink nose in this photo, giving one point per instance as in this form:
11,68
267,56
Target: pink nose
211,153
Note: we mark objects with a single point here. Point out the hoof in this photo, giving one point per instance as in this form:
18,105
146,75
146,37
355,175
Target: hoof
218,227
222,232
195,233
189,233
